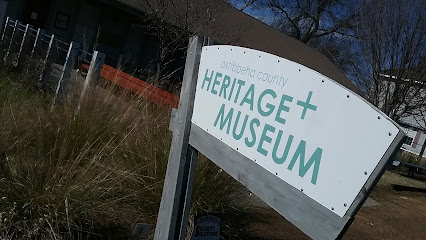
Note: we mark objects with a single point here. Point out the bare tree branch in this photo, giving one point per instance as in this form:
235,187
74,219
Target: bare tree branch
392,41
248,4
309,19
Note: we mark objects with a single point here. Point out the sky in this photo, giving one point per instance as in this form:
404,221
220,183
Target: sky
264,15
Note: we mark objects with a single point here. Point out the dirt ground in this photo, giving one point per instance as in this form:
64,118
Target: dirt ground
400,215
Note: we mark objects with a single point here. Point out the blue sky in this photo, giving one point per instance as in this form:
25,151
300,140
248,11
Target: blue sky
264,15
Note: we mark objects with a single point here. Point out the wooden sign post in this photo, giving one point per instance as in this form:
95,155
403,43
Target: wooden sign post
307,146
183,158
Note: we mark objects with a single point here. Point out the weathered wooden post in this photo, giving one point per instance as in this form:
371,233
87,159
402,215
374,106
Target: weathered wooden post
15,26
193,158
93,74
182,158
24,40
4,30
65,77
43,68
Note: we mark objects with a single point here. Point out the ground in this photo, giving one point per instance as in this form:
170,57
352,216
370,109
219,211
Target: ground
400,215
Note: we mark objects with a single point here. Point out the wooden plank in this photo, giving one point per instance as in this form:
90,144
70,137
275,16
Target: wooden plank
309,216
192,156
172,119
175,184
138,86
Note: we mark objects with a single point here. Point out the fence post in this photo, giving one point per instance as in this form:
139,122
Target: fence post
40,33
43,68
65,78
93,74
4,30
24,38
11,41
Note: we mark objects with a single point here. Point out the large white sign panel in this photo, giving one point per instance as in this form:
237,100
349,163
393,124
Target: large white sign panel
296,123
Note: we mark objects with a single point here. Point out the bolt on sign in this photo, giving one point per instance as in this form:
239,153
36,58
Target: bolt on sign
307,146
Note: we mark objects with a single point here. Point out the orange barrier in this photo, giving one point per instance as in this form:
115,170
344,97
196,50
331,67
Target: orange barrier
138,86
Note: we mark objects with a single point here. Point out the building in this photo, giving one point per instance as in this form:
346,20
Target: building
415,140
414,126
119,28
413,122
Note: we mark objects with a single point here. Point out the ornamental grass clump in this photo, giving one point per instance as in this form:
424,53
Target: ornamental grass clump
91,174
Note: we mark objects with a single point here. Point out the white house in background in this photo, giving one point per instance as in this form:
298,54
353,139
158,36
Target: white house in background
416,136
414,125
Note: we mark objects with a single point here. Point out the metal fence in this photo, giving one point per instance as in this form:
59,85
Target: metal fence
47,60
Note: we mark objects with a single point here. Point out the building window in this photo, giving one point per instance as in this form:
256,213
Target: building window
408,140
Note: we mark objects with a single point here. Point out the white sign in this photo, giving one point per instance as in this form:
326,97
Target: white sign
207,228
299,125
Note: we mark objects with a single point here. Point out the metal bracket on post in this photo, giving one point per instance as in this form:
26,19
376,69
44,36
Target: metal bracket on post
11,41
177,188
65,78
24,39
93,74
43,68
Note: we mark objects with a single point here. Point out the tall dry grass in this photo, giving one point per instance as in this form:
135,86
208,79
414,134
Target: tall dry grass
93,175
